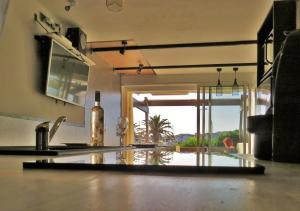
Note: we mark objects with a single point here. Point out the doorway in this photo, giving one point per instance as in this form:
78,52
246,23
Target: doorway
196,116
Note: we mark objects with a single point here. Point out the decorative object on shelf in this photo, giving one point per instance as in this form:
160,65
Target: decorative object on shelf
114,5
235,86
219,88
69,4
139,71
122,128
47,23
78,39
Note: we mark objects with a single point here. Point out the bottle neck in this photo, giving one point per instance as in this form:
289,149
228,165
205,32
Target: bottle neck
97,103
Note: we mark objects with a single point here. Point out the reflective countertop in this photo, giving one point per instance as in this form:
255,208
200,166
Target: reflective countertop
152,160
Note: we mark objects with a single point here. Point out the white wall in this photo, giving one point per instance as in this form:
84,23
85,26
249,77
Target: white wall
3,11
21,71
103,79
19,81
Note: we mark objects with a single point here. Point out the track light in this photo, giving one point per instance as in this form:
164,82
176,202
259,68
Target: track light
122,50
235,86
69,4
219,88
139,71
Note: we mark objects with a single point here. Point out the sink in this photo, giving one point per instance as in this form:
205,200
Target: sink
69,147
56,150
78,147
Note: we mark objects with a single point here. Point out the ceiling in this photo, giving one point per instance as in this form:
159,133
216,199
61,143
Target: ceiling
173,21
132,58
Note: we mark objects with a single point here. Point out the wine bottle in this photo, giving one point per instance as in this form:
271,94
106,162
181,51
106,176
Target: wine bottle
97,123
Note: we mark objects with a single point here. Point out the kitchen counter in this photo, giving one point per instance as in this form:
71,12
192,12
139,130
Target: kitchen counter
45,190
55,150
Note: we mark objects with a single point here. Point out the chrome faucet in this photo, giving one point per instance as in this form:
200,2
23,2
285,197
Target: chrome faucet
43,137
56,126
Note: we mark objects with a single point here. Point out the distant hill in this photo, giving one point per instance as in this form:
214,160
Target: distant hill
183,136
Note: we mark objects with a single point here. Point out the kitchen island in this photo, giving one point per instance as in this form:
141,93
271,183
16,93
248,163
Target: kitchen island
157,159
110,190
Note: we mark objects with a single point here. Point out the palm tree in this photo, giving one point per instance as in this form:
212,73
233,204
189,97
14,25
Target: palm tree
158,157
160,129
153,157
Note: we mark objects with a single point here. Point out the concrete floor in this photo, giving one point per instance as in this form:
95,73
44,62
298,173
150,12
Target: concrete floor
278,189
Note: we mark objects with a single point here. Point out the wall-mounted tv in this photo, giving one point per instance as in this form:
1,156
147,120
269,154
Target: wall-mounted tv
67,76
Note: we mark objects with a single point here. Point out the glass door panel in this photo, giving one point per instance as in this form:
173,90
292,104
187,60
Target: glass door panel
225,121
171,116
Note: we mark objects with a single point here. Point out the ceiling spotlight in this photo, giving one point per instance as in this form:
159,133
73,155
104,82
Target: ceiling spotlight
139,71
122,50
114,5
219,88
69,4
235,86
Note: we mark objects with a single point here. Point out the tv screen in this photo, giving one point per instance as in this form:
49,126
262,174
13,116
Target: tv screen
67,77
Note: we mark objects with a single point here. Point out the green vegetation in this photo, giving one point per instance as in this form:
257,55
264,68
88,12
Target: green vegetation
234,135
192,142
218,141
189,142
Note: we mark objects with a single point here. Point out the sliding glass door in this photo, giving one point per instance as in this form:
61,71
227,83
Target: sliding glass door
194,116
223,119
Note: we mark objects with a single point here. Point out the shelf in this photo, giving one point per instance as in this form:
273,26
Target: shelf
68,45
277,24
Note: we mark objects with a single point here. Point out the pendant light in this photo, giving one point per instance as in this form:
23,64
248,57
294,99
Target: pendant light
219,88
235,86
114,5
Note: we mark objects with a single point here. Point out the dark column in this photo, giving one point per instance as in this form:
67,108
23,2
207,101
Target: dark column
286,129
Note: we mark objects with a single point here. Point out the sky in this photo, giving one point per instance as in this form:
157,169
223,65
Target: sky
183,118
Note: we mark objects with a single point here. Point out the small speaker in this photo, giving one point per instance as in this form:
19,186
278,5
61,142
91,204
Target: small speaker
78,39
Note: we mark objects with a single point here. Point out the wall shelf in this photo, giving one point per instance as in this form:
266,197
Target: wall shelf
280,19
67,44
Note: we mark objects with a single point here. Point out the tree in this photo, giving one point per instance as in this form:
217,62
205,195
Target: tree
159,130
153,157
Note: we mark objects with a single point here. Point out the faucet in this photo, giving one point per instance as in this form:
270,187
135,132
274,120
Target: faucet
43,137
56,126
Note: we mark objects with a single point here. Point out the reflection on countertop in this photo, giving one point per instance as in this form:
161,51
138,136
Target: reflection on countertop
152,159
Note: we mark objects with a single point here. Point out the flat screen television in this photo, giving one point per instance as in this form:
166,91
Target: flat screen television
67,76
